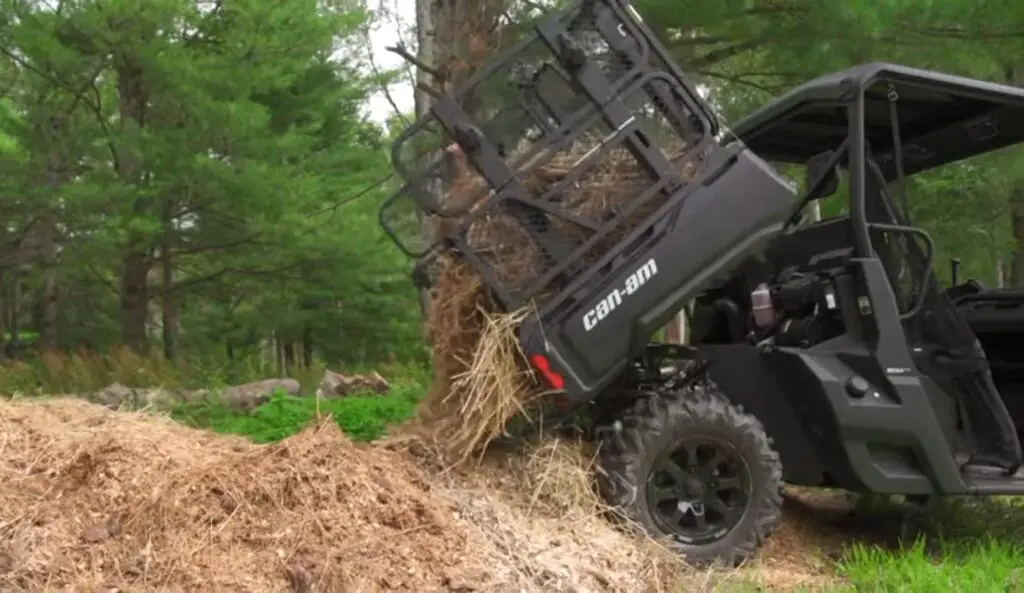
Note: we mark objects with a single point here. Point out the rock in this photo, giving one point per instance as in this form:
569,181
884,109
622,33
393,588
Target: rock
239,397
161,399
339,385
251,395
114,396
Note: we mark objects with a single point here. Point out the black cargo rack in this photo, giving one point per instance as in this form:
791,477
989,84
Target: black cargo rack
589,85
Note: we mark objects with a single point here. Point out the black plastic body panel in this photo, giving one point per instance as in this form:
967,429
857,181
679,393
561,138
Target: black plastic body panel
900,441
722,222
750,377
998,310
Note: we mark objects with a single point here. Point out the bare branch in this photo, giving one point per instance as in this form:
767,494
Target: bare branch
377,74
408,57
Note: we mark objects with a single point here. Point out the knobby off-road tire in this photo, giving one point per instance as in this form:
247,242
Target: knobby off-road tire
653,429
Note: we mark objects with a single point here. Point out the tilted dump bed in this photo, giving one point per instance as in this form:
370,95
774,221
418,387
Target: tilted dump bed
600,190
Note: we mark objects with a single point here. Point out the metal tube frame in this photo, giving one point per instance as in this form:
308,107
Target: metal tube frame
858,171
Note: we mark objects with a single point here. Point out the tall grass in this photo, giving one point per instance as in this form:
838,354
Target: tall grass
85,371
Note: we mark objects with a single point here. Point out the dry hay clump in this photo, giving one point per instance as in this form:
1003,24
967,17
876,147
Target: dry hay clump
549,484
545,490
481,379
95,500
601,192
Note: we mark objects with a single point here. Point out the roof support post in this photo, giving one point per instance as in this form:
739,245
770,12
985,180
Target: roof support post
858,169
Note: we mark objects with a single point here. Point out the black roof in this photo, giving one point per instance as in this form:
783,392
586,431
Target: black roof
942,118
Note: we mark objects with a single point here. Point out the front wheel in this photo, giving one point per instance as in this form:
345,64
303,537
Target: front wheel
695,469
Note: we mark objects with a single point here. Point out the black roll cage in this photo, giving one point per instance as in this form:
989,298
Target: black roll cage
885,118
853,151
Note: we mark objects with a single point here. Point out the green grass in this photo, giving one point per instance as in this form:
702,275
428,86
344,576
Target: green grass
361,417
982,567
969,546
26,337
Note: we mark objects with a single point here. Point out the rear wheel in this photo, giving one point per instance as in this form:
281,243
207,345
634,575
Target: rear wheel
695,469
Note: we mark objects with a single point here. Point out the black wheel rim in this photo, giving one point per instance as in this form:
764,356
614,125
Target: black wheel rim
699,490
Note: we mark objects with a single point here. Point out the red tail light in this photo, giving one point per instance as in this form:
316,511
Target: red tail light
554,380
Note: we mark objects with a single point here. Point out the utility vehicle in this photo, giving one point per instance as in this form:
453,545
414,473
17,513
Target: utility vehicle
821,354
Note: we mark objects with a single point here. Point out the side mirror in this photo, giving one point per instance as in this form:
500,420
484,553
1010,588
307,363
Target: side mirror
818,171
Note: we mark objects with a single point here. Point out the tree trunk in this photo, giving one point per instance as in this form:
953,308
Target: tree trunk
307,346
453,37
279,354
168,300
675,331
135,268
135,260
422,103
4,303
54,132
169,306
1013,76
289,355
49,295
14,344
12,304
1017,263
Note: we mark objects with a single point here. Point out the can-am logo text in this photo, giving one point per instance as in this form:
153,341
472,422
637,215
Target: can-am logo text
610,302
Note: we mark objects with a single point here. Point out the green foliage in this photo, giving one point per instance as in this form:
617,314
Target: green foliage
222,143
966,545
990,566
361,417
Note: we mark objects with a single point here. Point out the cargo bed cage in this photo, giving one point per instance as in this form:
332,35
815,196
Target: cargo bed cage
577,138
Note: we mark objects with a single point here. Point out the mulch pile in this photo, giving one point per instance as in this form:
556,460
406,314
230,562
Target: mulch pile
96,500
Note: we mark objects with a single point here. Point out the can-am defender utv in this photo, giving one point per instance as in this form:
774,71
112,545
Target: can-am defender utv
932,420
822,355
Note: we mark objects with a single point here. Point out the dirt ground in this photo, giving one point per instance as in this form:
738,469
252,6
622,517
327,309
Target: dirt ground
95,500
